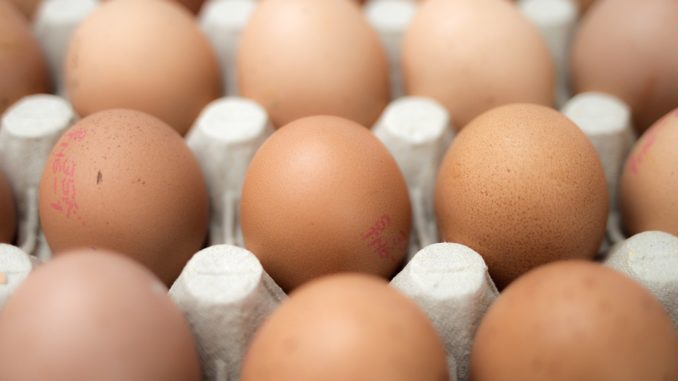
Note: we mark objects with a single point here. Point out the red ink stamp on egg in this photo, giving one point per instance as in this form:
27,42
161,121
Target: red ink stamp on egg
63,171
381,242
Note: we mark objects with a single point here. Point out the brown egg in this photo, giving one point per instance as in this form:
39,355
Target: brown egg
346,327
648,197
7,212
627,48
584,5
575,320
192,5
92,315
307,57
23,70
143,55
522,186
323,195
125,181
27,7
474,55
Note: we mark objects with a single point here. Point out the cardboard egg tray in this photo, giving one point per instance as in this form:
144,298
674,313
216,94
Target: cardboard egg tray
223,290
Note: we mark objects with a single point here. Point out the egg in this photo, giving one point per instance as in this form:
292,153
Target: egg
7,212
324,195
522,186
301,58
627,48
192,5
125,181
474,55
143,55
93,315
23,69
575,320
346,327
648,199
27,7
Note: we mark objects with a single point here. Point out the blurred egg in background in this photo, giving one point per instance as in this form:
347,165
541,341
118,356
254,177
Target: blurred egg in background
143,55
474,55
307,57
23,70
627,48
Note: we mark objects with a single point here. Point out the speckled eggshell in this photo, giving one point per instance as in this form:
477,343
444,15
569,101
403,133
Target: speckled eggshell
23,70
125,181
92,315
143,55
575,320
324,195
474,55
523,186
301,58
649,184
7,212
346,327
628,48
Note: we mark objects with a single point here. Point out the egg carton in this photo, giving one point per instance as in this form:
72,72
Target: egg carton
223,290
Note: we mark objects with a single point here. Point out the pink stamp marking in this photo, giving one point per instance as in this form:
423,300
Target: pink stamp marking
649,139
382,243
63,170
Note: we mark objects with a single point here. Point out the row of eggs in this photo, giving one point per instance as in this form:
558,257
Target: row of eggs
471,56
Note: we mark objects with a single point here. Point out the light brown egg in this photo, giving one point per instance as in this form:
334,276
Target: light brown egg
346,327
7,212
143,55
649,183
575,320
323,195
522,186
307,57
27,7
473,55
93,315
23,70
124,180
627,48
192,5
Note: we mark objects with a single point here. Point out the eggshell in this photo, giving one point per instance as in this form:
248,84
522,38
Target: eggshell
92,315
474,55
143,55
648,196
346,327
7,212
522,186
192,5
23,70
627,48
27,7
575,320
324,195
307,57
125,181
